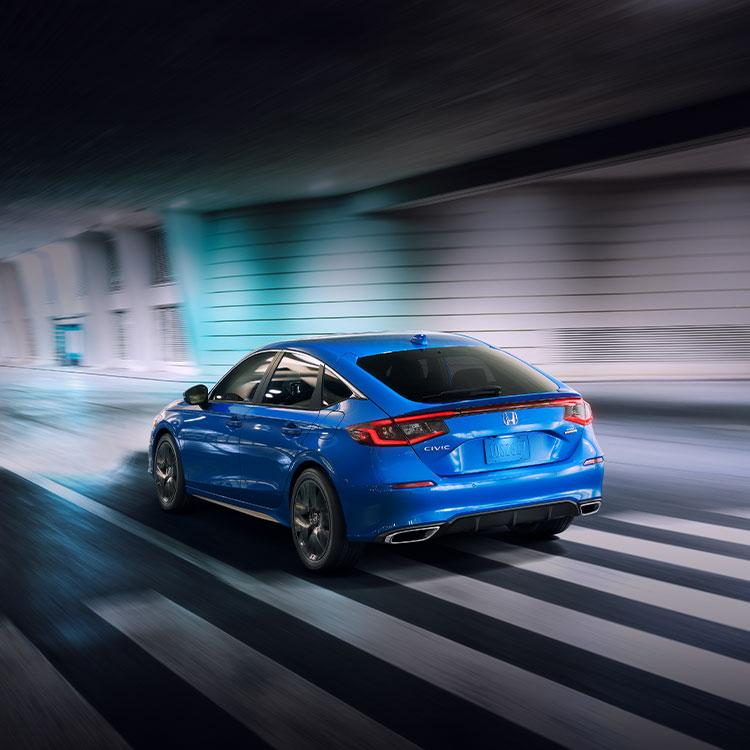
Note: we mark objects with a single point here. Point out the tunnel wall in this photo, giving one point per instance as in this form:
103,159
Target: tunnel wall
605,279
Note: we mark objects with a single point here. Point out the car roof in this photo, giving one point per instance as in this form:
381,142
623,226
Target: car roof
342,352
331,348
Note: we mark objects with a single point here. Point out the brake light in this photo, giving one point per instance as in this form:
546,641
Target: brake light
399,431
578,412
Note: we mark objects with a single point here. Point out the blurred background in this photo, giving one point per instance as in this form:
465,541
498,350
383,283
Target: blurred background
567,181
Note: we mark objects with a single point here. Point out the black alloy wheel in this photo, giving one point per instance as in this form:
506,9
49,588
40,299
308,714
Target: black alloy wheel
318,526
168,476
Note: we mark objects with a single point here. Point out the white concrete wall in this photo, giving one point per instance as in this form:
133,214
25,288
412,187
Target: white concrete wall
587,279
16,344
646,278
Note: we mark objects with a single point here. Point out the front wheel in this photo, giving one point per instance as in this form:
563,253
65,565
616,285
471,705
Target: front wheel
541,529
318,526
168,476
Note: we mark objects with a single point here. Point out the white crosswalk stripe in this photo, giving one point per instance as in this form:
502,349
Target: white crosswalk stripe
39,708
707,562
737,512
712,607
564,715
548,708
698,668
278,705
684,526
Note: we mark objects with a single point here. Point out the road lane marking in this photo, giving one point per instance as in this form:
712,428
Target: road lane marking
39,708
737,512
712,607
689,665
705,562
282,708
684,526
547,708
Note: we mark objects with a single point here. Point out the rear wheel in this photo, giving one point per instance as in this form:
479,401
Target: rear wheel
541,529
168,476
318,527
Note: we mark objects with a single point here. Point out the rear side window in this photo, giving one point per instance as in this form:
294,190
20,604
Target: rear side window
293,383
334,390
455,373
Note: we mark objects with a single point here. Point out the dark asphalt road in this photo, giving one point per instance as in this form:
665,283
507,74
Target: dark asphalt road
121,625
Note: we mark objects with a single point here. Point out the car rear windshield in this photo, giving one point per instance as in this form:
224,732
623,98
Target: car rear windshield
455,373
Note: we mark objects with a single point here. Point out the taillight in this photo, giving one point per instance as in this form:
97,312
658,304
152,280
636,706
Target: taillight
578,412
399,431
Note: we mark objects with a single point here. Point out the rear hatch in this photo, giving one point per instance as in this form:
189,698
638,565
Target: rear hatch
474,409
500,435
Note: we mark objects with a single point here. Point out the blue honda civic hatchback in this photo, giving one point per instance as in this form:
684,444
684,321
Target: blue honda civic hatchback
385,437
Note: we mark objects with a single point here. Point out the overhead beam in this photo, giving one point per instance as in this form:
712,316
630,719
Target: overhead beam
679,129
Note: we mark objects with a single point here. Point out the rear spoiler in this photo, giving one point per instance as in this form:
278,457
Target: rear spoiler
503,403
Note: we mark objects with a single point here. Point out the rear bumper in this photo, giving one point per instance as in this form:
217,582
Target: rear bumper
474,501
488,520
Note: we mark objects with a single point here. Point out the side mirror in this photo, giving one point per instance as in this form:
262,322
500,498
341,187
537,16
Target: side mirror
196,395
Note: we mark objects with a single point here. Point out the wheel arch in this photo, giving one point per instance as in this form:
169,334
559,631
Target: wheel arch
157,437
307,462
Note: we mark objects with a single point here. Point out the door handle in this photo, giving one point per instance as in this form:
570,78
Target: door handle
234,422
291,430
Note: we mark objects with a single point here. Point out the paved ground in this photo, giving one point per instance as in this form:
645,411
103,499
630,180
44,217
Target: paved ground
121,625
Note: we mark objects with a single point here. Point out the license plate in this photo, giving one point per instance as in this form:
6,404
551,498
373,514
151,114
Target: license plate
506,449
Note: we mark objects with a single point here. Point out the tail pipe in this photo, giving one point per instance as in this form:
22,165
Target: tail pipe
586,509
408,536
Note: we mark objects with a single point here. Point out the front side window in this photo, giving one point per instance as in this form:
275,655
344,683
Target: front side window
241,383
455,373
293,383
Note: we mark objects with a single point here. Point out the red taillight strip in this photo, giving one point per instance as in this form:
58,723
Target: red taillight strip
431,415
579,420
376,439
591,461
370,428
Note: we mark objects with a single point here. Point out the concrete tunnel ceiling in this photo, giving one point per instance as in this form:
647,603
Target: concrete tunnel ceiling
116,111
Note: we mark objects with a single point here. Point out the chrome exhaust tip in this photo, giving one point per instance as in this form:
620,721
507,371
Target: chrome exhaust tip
586,509
409,536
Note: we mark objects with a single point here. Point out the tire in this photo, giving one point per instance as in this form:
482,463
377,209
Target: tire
541,529
318,526
169,477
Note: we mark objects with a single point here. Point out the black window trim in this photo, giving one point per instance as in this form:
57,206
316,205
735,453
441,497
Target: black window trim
263,383
356,393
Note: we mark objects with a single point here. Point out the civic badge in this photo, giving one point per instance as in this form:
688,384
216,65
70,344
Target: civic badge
510,418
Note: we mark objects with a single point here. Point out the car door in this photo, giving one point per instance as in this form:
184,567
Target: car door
210,434
272,434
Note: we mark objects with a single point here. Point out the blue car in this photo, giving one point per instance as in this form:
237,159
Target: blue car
385,437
